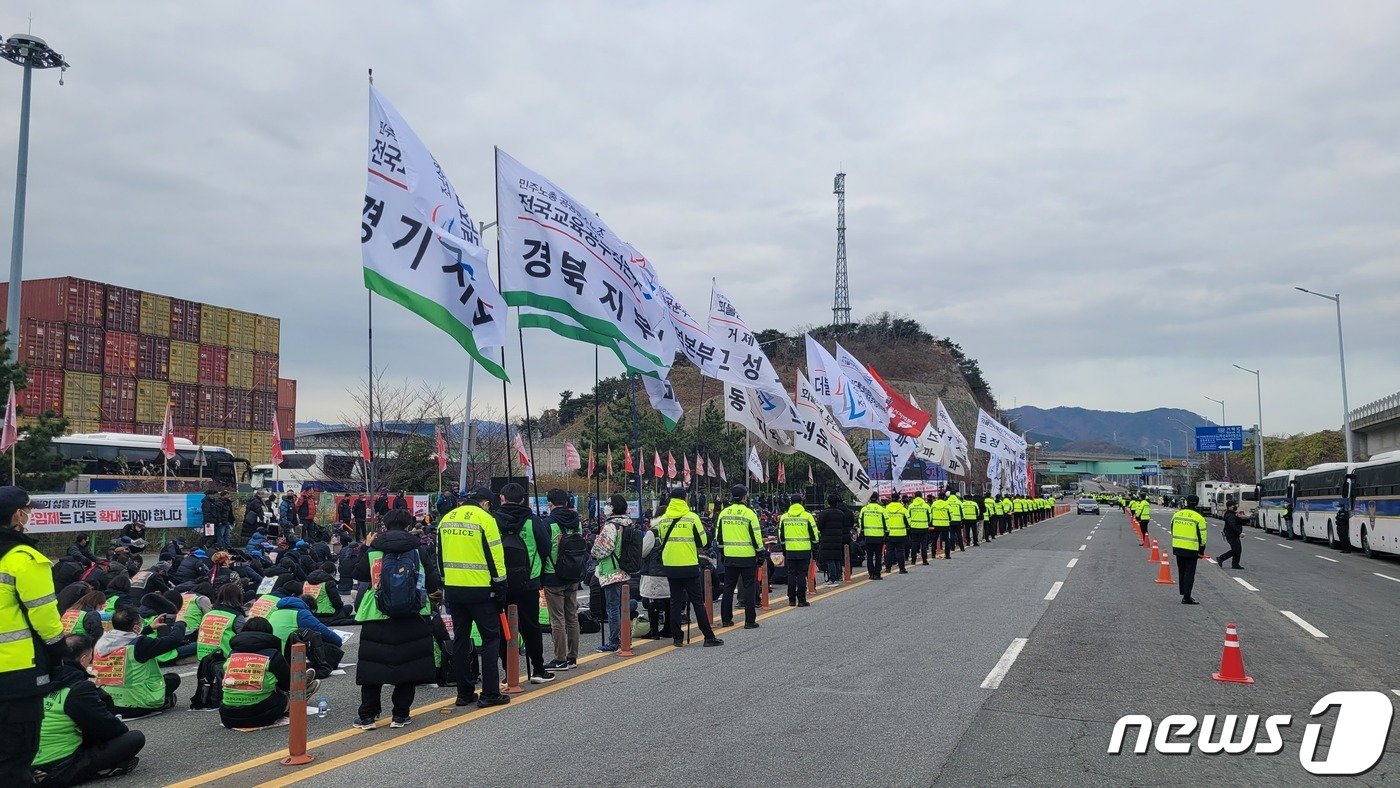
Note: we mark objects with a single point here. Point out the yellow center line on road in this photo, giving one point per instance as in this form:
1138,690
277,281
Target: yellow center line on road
237,768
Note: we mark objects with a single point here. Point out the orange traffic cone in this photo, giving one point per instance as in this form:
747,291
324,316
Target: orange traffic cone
1231,660
1164,571
1156,556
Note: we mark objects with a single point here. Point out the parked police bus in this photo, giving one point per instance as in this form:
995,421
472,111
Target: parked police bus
1375,490
121,462
1276,499
1318,493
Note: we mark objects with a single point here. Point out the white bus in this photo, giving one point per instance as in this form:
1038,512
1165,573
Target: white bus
1319,492
121,462
331,470
1242,497
1375,519
1276,497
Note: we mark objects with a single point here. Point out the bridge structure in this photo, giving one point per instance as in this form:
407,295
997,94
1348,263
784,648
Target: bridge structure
1375,427
1052,463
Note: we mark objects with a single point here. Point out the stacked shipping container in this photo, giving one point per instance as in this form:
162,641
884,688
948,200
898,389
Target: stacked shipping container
110,358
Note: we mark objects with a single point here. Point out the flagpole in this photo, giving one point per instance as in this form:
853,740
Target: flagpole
505,391
637,442
597,482
525,391
369,382
467,428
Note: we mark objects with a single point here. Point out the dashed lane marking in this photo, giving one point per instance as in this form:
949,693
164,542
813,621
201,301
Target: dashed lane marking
1260,538
1084,547
1325,558
1286,546
1003,666
1309,628
1087,538
1054,590
1245,583
1072,562
1387,577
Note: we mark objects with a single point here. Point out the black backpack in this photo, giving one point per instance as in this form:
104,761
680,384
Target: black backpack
209,682
517,554
573,556
629,558
400,592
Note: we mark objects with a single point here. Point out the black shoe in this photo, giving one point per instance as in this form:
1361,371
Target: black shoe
712,642
1236,566
751,626
487,701
904,571
677,642
804,603
726,623
1189,601
120,769
466,700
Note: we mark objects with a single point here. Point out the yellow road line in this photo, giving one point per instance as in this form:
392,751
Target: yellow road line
398,741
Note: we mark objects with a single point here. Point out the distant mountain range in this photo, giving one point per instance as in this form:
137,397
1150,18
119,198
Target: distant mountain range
1107,432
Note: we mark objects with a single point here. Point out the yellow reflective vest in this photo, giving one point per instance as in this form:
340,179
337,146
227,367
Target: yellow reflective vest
29,617
872,521
939,512
920,515
470,553
797,530
896,520
1188,531
739,533
954,508
679,529
969,510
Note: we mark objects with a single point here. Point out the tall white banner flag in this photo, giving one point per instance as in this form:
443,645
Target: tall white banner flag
568,272
739,350
741,407
930,447
831,388
864,389
663,399
955,457
997,439
902,450
755,465
821,437
419,246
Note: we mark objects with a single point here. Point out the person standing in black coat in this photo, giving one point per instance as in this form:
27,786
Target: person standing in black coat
397,651
834,526
359,510
1234,528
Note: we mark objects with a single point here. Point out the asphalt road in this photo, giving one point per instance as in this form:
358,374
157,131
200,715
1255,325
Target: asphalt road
896,683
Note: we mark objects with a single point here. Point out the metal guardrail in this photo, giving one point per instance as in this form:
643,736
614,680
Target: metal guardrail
1376,408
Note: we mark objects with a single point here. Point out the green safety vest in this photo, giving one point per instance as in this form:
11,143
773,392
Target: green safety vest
59,736
969,509
896,520
872,520
954,509
215,632
920,515
323,599
111,605
368,609
797,529
1188,531
284,623
167,656
941,517
131,684
739,532
989,507
192,614
247,680
263,606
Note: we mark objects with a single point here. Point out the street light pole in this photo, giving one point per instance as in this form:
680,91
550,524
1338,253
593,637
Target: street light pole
1225,460
1336,298
1259,425
1185,431
31,52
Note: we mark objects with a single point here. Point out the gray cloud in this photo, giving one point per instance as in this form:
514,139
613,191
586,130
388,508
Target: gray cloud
1107,205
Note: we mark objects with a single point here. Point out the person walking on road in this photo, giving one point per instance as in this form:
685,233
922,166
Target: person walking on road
474,587
872,528
969,520
741,544
834,524
682,536
896,533
1189,546
1234,528
797,534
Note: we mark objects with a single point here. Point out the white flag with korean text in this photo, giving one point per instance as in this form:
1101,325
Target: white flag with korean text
955,457
741,406
865,390
740,351
663,399
821,437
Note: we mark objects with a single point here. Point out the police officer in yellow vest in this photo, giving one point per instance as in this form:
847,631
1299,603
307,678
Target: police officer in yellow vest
920,520
473,571
872,529
741,543
896,533
1189,546
682,535
797,534
955,528
969,518
942,525
31,638
989,517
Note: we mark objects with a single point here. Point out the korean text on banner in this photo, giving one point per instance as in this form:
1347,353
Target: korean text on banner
821,437
738,349
60,513
420,247
741,407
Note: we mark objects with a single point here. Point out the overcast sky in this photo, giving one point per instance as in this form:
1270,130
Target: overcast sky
1106,204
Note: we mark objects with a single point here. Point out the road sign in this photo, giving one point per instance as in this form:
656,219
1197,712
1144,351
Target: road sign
1217,438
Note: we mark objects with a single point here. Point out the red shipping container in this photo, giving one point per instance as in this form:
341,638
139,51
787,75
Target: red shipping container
184,400
83,349
45,392
65,299
147,429
118,399
264,410
286,394
153,358
287,423
213,369
119,354
188,433
42,344
240,410
265,371
124,427
213,406
123,309
184,320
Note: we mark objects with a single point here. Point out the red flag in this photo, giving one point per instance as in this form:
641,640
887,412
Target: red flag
1030,478
592,464
905,419
167,434
627,466
699,465
441,451
656,470
571,458
782,473
686,477
276,442
364,444
522,456
670,466
10,435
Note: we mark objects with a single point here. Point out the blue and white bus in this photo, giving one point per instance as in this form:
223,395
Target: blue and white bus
1375,518
1276,496
1319,492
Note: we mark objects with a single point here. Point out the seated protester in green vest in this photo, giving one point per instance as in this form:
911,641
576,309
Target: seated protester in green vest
396,650
119,593
293,613
125,663
194,604
257,679
80,739
330,606
153,605
85,617
222,622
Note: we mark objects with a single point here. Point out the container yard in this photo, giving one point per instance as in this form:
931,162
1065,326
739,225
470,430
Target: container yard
109,358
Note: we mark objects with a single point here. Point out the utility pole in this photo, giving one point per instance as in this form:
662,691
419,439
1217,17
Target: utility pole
841,310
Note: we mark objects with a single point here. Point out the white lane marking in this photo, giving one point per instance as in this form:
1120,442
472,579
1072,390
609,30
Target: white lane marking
1309,628
1003,666
1325,558
1245,583
1286,546
1087,538
1387,577
1397,692
1054,590
1072,562
1260,538
1084,547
